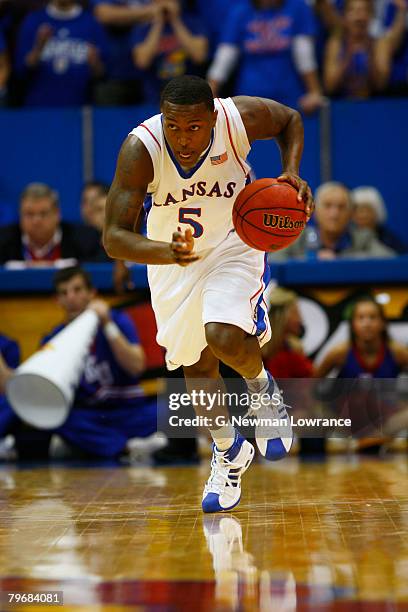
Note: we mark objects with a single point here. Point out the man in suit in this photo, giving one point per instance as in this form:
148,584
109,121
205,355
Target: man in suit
41,236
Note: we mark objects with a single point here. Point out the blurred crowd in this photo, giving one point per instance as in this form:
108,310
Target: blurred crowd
346,224
119,52
113,417
362,377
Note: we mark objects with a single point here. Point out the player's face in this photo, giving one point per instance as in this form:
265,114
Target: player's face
39,219
333,212
364,216
74,296
188,130
367,322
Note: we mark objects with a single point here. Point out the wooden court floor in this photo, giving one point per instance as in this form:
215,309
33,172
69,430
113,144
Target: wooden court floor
329,536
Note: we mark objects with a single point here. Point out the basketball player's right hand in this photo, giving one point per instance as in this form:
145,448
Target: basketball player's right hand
182,246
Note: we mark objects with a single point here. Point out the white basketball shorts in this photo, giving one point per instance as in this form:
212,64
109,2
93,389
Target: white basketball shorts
225,286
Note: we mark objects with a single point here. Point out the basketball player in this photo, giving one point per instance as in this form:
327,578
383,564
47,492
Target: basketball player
187,166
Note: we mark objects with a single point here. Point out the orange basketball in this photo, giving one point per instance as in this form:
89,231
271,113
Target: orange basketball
267,215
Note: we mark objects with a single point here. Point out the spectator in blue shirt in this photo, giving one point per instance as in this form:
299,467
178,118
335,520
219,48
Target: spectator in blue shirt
349,64
273,41
9,361
123,83
214,14
174,43
60,50
109,405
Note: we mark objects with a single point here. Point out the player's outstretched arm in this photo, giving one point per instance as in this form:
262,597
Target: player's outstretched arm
264,119
134,172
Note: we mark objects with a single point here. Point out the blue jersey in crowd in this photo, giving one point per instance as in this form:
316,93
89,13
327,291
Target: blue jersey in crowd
171,60
10,352
119,65
104,383
63,76
214,14
399,71
265,39
355,367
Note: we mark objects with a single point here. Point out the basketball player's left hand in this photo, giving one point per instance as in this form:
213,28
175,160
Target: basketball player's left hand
304,191
182,248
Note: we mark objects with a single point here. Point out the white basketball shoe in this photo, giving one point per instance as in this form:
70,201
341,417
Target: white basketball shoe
273,433
223,488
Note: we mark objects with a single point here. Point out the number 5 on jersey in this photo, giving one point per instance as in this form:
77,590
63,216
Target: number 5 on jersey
185,217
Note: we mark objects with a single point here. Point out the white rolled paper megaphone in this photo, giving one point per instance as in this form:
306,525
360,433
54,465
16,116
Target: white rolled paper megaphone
42,389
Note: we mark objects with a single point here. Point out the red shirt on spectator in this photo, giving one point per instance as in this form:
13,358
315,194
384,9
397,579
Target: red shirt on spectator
288,363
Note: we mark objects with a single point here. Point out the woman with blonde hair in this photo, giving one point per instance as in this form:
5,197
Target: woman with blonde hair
283,355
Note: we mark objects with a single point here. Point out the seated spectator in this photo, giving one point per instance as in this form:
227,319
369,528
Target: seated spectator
369,353
172,44
283,355
60,51
123,83
109,406
392,53
334,235
93,202
41,236
273,42
9,361
369,211
350,68
4,69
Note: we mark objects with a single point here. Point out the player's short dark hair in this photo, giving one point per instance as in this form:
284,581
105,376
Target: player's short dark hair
188,89
66,274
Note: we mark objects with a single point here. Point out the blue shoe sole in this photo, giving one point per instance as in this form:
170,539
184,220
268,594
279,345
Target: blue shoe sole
208,511
275,450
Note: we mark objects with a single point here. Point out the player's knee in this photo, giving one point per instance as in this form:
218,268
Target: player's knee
201,370
206,367
223,339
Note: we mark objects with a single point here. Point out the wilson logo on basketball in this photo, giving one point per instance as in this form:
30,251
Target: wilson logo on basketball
281,222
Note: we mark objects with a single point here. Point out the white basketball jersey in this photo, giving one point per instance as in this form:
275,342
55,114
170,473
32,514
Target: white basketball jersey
201,198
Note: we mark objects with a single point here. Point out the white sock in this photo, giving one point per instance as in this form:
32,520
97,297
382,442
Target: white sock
224,436
259,384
